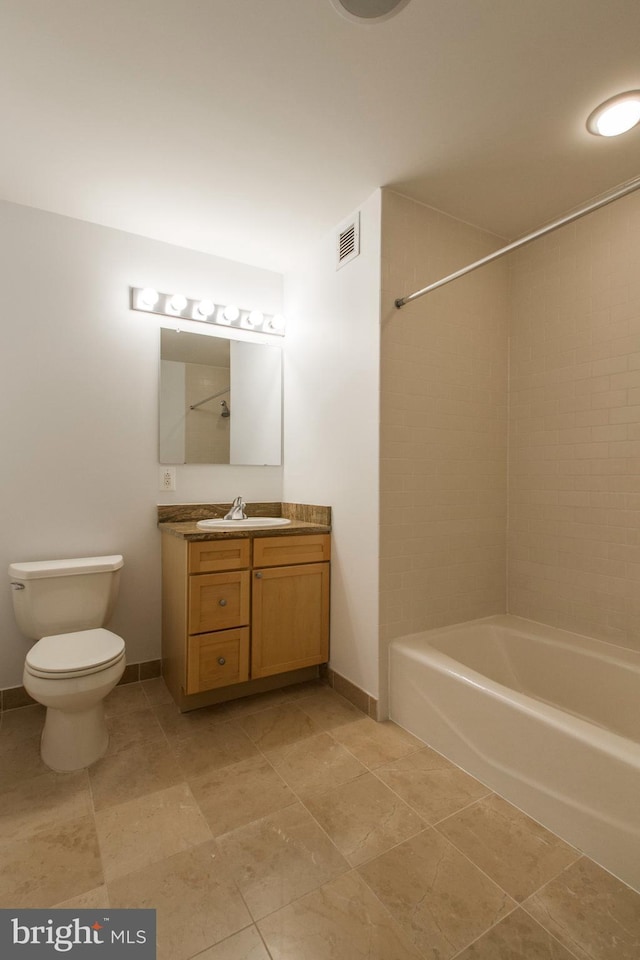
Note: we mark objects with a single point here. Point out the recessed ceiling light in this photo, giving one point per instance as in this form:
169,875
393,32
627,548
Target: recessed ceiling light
369,11
616,115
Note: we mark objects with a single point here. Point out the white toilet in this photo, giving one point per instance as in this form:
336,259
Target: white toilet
76,662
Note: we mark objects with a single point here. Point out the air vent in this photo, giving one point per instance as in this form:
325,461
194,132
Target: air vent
348,242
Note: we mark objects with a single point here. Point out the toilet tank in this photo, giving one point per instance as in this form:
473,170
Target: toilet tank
61,596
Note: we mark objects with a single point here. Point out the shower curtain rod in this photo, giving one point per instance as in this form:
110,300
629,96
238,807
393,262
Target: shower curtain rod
615,194
193,406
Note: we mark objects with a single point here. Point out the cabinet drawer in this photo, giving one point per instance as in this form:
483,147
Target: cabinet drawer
285,551
217,659
218,601
209,556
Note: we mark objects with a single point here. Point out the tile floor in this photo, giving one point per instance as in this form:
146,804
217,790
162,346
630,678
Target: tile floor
292,827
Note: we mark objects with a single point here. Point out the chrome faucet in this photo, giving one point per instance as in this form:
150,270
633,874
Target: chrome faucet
237,510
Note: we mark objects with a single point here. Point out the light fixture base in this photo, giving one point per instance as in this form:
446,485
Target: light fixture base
369,11
616,115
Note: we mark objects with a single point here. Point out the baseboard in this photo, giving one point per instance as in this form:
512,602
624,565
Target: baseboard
359,698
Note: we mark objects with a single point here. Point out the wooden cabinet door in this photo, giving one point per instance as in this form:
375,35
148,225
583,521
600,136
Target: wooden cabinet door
290,620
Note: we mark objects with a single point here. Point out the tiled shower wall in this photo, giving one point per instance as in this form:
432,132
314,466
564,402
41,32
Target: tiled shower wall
569,305
574,542
443,471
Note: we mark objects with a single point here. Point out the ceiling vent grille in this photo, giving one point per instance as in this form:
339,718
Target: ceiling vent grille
348,242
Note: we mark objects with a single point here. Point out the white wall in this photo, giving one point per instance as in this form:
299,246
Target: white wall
79,401
331,437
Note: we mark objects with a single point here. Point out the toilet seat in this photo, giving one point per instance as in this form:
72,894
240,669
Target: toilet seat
75,654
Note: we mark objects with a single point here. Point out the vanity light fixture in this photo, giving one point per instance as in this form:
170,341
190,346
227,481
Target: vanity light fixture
177,306
177,303
231,313
255,319
616,115
277,323
203,310
149,297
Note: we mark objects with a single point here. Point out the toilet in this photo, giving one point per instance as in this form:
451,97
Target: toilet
76,662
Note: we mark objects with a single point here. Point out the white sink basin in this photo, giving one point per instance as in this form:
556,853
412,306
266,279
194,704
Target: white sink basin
251,523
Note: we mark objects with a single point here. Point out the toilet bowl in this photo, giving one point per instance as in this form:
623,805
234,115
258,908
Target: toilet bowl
70,671
71,674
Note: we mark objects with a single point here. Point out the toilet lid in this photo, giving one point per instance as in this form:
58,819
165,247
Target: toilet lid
75,653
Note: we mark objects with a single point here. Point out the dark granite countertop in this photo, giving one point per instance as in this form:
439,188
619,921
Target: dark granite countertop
180,520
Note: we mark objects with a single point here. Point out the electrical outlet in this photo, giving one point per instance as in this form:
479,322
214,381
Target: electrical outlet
167,478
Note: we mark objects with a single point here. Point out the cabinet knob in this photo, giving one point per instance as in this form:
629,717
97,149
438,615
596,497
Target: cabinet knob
258,575
221,661
222,603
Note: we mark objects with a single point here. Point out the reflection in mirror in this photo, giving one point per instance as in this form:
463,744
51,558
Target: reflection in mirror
220,400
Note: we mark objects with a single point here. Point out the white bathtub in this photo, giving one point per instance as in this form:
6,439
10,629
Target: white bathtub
546,718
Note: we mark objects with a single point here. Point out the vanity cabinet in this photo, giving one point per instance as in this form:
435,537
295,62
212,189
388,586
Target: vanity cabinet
242,609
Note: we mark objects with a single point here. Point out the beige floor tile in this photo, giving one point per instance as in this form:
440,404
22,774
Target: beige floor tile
316,764
307,688
21,724
135,770
364,818
156,691
431,784
210,749
197,902
246,706
20,759
98,898
342,920
50,866
278,726
126,697
376,743
240,793
180,725
40,803
512,849
132,835
246,945
593,915
131,726
441,900
517,937
328,709
279,858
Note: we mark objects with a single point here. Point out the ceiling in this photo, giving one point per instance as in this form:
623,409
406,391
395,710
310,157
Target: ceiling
246,128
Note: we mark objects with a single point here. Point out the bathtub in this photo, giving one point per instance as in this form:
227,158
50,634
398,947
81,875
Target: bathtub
547,719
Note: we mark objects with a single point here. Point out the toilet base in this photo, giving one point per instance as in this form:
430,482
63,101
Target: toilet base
71,741
75,732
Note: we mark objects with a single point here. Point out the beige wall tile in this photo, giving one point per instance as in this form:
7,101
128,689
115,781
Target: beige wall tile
592,372
443,427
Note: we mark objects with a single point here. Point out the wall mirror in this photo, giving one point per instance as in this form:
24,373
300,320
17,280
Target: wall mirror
220,400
